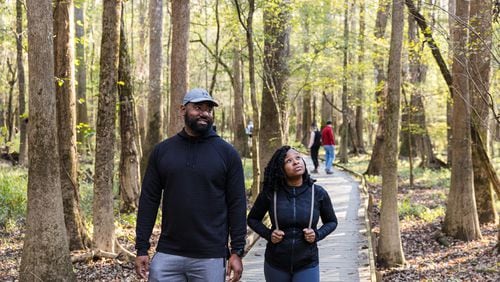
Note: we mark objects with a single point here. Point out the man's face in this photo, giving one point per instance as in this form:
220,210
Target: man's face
198,117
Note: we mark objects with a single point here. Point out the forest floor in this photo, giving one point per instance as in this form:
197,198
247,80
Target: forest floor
430,256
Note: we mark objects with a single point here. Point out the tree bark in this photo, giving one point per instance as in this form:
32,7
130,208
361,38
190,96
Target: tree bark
390,250
240,140
155,111
345,128
129,134
45,252
21,83
376,161
359,123
461,220
104,227
82,119
306,121
179,82
480,42
66,121
276,73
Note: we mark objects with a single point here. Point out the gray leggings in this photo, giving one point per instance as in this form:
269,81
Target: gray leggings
172,268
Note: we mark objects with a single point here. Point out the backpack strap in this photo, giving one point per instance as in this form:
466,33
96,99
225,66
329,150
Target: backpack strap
312,207
275,214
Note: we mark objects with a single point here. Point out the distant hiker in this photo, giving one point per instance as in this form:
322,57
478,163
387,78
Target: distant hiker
198,179
249,129
314,145
328,141
294,204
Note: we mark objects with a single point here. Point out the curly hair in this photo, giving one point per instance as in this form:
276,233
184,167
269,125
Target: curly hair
274,174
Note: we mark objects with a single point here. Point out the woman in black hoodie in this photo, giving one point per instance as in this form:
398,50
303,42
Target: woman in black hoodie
294,204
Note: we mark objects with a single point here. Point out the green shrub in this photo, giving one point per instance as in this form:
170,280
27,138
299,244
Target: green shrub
409,210
13,186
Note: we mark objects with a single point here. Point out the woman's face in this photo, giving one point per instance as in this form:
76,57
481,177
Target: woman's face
294,164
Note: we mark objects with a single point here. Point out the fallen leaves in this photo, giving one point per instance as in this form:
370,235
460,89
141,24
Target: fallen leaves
431,255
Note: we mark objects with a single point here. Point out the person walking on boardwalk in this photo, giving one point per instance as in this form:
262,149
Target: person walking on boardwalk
328,140
294,204
314,144
201,178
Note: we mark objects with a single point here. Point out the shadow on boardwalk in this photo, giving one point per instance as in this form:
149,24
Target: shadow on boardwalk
344,253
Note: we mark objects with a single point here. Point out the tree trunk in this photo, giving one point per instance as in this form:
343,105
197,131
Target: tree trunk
461,220
179,82
82,119
480,42
45,252
66,114
240,140
104,227
10,100
360,78
376,161
129,153
390,250
306,121
256,167
345,128
21,83
449,105
141,72
276,73
155,110
414,127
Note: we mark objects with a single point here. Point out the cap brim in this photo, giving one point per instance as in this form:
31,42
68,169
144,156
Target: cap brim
198,100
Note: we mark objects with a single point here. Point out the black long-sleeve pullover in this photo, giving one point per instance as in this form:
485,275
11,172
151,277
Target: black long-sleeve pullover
203,197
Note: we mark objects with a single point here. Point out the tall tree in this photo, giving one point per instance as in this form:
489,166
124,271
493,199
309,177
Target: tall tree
66,122
240,140
155,111
179,82
414,128
248,26
21,81
45,252
480,42
390,250
376,160
275,76
345,128
461,220
104,228
306,108
359,123
82,119
129,133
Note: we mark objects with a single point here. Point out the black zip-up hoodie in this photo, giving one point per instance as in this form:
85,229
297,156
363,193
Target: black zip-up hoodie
203,197
293,208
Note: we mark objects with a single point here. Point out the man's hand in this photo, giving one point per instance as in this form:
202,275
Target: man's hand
277,236
236,267
142,266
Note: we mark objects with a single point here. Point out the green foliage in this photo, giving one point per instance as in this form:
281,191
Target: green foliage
248,172
407,209
13,187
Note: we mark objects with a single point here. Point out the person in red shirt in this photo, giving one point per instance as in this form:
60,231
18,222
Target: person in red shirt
328,141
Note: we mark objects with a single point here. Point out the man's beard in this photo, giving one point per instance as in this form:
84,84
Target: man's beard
200,129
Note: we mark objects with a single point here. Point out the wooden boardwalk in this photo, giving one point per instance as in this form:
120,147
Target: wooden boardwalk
344,253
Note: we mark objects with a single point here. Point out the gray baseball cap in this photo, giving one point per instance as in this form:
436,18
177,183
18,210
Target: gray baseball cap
197,95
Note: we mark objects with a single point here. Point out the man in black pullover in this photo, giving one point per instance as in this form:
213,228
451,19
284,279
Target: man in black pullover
201,179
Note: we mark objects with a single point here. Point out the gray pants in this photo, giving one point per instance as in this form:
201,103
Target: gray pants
172,268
